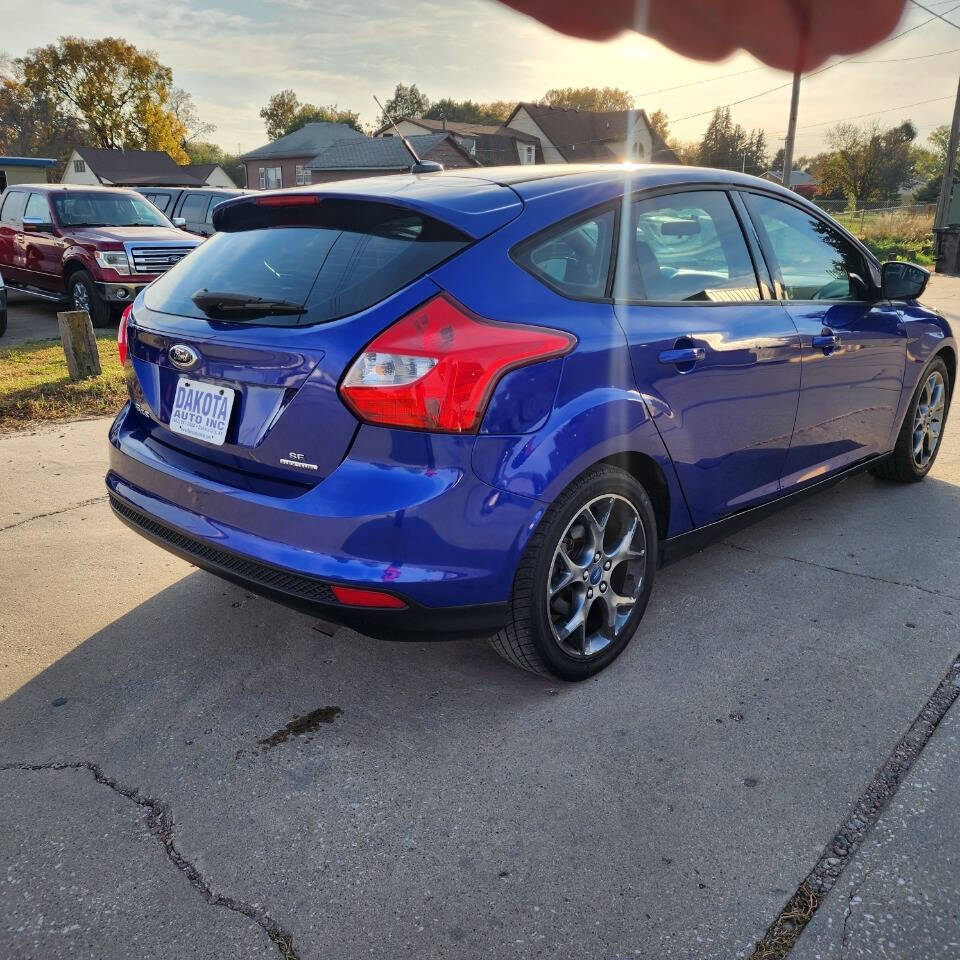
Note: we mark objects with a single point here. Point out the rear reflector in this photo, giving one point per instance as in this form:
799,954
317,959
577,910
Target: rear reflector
288,200
436,368
356,597
122,335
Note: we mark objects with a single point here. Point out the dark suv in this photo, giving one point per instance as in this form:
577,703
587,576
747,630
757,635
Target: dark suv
94,247
190,208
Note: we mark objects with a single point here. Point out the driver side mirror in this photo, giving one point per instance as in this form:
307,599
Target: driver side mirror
179,222
36,225
902,281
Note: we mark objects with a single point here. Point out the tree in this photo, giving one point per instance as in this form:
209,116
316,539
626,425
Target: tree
279,112
728,146
929,164
466,111
203,152
588,98
867,163
185,110
121,95
659,124
406,102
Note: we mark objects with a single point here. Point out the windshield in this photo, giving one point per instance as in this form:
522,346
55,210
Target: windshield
107,210
329,271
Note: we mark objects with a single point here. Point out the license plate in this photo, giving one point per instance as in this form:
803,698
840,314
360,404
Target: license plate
201,410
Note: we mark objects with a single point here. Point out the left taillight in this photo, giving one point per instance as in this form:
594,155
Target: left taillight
122,335
436,368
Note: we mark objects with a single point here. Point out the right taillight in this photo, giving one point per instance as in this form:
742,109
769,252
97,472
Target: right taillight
122,334
436,368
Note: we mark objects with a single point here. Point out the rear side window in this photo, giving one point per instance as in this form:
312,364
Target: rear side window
685,247
573,257
351,260
194,208
11,212
159,200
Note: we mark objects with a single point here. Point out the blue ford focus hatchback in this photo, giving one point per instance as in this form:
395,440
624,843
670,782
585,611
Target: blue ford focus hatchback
492,402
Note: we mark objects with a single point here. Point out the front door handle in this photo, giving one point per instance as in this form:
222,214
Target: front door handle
827,340
683,355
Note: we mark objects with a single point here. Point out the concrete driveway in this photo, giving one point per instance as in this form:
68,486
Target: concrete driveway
191,771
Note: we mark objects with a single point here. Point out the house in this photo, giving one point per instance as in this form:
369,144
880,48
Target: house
138,168
283,162
492,145
362,157
24,170
588,136
806,184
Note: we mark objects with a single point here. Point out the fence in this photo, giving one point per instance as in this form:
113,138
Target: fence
883,219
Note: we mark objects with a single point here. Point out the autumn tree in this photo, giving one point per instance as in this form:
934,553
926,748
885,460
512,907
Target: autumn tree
121,95
600,99
279,112
660,124
407,101
466,111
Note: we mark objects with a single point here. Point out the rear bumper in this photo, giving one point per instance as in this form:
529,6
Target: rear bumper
314,596
436,536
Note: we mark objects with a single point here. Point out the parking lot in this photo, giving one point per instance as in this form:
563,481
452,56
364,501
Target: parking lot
192,771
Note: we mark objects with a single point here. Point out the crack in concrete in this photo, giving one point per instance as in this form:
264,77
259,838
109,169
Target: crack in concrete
161,825
849,912
782,935
53,513
825,566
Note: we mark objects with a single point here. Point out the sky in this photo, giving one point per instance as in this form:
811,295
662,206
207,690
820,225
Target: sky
232,55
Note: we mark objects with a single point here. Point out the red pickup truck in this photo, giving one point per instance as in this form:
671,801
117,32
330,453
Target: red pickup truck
94,248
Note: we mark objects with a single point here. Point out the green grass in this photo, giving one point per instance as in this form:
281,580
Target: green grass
35,387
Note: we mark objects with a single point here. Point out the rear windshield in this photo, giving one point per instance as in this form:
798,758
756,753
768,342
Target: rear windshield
106,210
333,271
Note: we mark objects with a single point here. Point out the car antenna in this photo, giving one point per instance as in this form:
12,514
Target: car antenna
418,165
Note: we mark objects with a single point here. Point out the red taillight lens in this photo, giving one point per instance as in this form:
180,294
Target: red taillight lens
356,597
436,368
287,200
122,335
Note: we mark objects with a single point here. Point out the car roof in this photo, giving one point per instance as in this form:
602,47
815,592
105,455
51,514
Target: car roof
70,188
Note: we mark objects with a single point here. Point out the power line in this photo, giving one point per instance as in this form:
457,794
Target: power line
872,113
939,16
697,83
922,56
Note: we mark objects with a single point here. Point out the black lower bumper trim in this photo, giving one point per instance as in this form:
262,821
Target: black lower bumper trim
315,596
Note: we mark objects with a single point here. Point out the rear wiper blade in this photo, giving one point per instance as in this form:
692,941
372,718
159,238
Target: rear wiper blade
211,300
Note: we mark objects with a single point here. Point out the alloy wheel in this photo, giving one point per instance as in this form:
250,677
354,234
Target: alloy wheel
81,297
928,419
596,576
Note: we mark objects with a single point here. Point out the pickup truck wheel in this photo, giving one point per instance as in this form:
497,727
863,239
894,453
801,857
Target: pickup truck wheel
3,321
83,295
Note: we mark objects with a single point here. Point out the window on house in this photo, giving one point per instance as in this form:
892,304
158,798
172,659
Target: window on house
303,175
529,153
79,166
271,178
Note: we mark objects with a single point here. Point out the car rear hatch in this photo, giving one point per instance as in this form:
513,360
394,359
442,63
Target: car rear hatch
271,310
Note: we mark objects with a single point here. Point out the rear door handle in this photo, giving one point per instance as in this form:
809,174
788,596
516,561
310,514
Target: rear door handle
683,355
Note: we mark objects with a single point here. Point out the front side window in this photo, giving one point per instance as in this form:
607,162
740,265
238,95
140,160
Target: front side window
159,200
815,261
574,257
80,209
685,247
271,178
303,175
38,207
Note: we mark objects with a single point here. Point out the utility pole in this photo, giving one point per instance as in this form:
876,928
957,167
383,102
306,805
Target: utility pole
791,130
946,188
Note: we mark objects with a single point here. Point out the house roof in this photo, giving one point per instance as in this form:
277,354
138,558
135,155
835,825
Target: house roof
584,135
27,162
381,153
308,141
462,128
137,167
798,178
200,170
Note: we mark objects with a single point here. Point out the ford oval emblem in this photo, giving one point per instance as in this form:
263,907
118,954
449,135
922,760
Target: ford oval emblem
182,356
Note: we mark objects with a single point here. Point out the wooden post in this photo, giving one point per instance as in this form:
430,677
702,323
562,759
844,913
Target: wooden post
946,186
79,344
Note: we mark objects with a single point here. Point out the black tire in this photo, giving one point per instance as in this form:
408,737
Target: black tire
83,295
528,639
3,322
902,466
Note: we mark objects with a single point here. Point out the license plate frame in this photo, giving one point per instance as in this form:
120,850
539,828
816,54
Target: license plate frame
193,415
